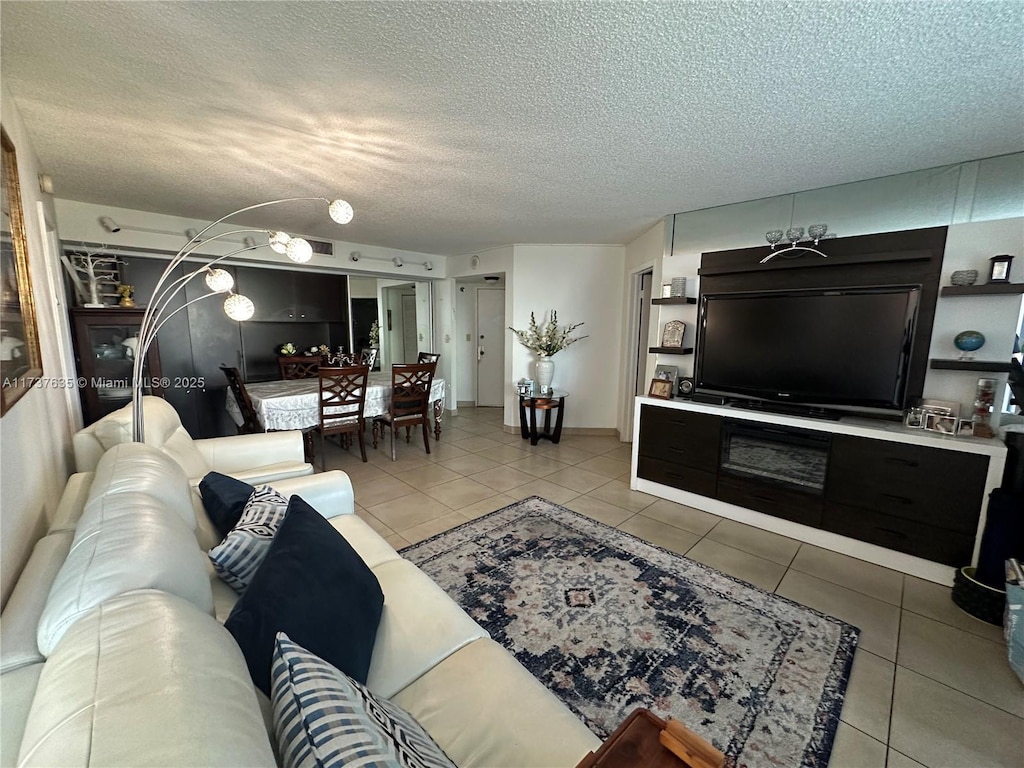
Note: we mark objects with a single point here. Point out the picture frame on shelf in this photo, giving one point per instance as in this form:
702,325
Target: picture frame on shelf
999,268
940,422
666,291
661,389
965,428
945,407
672,334
670,372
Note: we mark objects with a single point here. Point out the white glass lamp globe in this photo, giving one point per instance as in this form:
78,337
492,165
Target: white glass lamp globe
279,241
299,250
341,211
219,280
239,307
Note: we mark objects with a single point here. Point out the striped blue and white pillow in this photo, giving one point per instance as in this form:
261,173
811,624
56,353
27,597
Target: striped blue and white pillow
325,719
237,557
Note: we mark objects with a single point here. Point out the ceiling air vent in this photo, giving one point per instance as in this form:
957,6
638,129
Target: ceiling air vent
323,247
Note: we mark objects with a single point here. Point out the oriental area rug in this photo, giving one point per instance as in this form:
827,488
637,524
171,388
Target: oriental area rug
609,622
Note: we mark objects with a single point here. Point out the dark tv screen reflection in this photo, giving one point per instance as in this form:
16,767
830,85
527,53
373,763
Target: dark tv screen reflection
826,348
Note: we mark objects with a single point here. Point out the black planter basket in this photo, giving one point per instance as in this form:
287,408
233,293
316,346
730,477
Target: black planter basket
980,600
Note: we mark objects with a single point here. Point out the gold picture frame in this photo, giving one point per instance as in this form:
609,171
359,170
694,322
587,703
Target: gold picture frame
20,359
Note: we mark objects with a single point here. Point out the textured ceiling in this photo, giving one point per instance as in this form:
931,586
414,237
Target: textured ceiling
456,126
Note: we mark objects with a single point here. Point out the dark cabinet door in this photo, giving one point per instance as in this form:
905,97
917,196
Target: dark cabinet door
216,341
320,298
105,363
680,437
272,292
174,338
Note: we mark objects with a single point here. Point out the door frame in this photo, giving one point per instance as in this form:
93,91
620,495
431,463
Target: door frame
634,347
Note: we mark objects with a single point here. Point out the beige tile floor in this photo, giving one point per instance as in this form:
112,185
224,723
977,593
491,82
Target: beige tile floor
930,684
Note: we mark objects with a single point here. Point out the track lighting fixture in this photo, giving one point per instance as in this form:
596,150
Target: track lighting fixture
109,224
398,261
354,256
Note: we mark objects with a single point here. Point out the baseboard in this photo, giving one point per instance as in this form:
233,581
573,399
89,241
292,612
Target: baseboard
591,431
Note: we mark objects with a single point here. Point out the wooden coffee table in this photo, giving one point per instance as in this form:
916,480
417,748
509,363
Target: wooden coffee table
636,743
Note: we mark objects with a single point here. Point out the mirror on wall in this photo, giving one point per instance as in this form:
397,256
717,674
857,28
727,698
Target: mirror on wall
20,359
402,311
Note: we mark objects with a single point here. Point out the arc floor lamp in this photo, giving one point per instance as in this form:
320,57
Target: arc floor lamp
219,281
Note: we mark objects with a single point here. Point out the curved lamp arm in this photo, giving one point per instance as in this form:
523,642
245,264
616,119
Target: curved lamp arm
153,319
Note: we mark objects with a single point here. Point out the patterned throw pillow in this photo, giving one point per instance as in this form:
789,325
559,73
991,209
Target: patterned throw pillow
237,557
322,717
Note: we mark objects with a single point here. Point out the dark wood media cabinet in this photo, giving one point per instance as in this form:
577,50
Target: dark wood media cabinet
903,491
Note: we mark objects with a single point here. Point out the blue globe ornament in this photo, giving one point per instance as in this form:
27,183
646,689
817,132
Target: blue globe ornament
969,342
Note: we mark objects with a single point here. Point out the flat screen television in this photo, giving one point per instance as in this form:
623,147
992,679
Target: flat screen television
835,349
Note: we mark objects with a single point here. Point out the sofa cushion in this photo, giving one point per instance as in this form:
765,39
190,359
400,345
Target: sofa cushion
487,711
312,586
237,558
224,498
72,502
324,717
139,469
421,626
17,690
20,619
145,680
148,549
163,430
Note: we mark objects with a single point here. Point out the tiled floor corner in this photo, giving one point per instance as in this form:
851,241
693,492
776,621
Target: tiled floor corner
930,684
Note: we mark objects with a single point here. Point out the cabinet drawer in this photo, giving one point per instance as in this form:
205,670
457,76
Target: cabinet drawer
676,475
772,500
681,437
926,485
936,544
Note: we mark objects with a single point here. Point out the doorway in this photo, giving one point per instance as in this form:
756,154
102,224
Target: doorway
638,334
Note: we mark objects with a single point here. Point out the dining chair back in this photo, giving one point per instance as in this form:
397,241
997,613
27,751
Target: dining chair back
410,402
428,357
342,400
298,366
368,357
250,420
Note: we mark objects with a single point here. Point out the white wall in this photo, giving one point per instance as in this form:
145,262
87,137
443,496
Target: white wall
583,283
982,202
645,252
35,446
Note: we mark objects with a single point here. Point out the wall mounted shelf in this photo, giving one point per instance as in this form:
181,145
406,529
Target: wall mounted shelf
989,366
675,300
671,350
992,289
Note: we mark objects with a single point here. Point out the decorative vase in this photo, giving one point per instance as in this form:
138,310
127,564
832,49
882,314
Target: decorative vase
545,372
126,301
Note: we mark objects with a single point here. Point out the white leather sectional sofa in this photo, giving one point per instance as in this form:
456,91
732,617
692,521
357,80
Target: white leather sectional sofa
112,651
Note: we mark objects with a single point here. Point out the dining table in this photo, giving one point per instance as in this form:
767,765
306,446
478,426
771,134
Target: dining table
295,403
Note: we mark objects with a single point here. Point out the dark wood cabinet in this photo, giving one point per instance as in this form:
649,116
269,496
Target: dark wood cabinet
679,448
105,361
288,296
931,486
916,499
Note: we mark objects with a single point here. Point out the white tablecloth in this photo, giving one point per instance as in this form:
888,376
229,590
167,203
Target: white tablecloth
294,404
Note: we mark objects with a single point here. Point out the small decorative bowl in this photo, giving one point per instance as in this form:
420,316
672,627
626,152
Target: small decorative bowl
965,277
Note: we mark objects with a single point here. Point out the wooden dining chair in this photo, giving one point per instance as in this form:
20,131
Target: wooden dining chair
428,357
410,402
368,357
250,419
298,366
342,400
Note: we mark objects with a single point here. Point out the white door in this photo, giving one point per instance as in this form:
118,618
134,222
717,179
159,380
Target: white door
490,346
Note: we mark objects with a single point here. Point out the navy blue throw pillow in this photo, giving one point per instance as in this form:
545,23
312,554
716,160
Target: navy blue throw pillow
224,499
317,590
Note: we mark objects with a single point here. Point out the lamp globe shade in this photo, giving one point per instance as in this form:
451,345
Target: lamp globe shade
239,307
341,211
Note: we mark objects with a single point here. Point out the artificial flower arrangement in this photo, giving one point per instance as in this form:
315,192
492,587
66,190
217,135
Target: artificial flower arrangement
548,339
286,349
375,334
